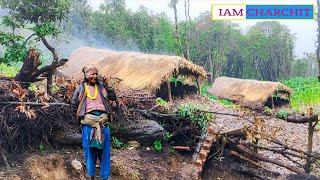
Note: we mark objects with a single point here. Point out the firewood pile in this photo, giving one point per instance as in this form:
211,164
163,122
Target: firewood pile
29,119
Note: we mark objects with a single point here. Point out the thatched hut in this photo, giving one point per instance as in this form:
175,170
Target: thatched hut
137,71
252,93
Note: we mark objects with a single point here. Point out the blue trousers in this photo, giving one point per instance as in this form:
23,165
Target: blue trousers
92,154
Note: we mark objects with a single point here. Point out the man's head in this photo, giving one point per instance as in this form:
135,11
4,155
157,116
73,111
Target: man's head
90,74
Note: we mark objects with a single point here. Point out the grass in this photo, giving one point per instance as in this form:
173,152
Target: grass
223,102
306,93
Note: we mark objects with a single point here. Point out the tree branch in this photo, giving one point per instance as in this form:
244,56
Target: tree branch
25,42
52,49
47,68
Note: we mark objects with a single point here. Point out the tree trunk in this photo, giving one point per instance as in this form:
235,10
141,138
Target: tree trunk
210,58
187,39
29,67
30,73
173,4
318,40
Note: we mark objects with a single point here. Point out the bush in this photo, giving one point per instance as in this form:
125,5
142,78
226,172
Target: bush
195,113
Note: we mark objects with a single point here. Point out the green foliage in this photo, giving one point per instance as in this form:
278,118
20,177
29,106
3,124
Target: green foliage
157,145
282,114
35,11
306,92
46,29
42,148
168,135
226,103
204,92
195,113
162,103
116,143
9,70
41,17
33,87
267,110
14,48
264,52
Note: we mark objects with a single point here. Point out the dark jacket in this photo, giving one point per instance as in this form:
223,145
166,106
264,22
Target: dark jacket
79,94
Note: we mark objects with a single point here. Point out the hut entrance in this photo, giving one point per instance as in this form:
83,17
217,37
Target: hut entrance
278,100
177,90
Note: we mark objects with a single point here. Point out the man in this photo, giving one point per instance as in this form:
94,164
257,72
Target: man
90,102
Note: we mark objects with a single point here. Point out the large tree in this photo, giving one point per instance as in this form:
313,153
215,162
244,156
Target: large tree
43,18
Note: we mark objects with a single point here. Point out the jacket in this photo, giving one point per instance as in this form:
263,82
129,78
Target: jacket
79,94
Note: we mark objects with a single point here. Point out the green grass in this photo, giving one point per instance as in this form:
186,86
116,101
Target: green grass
306,93
223,102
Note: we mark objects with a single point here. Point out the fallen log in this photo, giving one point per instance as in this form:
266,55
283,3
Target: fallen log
298,118
145,131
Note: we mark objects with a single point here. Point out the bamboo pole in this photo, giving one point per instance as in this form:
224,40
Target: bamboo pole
169,92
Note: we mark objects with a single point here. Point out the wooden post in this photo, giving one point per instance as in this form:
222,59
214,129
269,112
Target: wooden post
169,92
310,140
198,84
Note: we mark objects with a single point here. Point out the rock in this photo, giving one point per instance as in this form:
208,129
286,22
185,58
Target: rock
76,165
133,144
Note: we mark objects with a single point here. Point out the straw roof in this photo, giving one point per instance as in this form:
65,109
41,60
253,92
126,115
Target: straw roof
137,71
250,93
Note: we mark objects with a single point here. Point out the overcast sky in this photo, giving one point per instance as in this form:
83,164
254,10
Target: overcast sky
304,30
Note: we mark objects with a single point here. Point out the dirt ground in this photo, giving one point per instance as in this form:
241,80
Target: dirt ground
127,164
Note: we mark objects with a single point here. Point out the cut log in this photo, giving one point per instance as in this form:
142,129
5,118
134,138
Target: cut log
298,118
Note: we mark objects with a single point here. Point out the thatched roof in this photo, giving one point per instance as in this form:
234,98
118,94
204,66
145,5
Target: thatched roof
249,93
136,70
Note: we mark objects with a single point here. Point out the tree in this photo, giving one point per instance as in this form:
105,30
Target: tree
270,51
318,39
173,5
42,17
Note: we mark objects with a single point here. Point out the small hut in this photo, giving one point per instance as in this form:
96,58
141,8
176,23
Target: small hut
138,71
252,93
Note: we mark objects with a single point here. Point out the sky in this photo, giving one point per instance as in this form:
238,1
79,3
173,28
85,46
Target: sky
304,30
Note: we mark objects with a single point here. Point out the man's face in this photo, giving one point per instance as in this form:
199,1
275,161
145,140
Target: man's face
92,76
